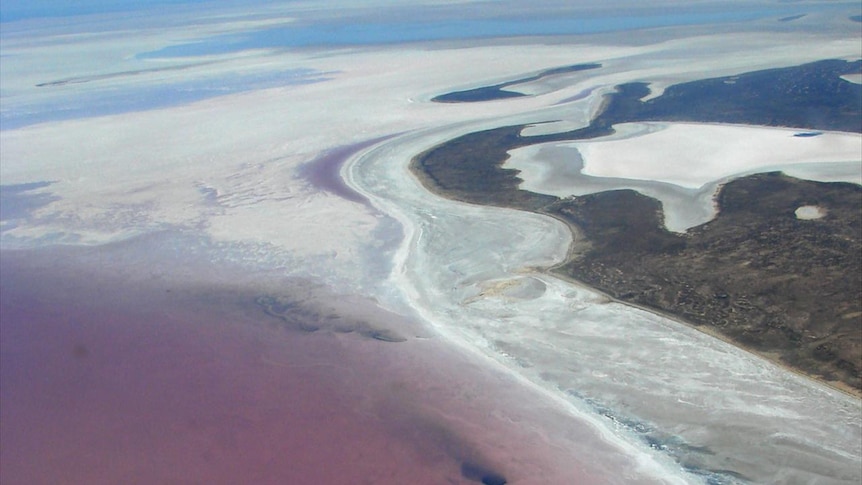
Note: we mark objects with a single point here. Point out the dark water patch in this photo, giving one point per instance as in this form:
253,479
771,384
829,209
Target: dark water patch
856,18
209,194
382,335
114,75
294,314
719,477
308,315
324,171
808,134
792,18
435,435
17,201
478,473
497,91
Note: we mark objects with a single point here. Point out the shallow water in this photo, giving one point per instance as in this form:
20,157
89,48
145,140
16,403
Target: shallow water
156,375
397,32
70,99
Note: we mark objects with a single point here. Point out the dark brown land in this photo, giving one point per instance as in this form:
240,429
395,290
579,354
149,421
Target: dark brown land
780,286
785,288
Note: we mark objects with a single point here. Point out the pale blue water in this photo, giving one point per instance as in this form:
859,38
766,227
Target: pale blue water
401,23
377,33
77,103
14,10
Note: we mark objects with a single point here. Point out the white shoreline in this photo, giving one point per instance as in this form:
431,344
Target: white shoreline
655,466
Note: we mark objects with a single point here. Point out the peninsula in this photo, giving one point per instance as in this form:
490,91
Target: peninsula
762,274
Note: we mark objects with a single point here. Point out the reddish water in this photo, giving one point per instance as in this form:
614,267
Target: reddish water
106,381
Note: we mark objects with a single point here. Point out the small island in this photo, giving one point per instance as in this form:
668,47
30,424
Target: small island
498,91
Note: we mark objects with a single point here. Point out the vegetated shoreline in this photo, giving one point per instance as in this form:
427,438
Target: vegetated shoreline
469,169
773,357
579,244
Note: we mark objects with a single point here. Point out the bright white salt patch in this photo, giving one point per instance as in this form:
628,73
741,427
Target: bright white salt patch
683,165
853,78
809,212
691,155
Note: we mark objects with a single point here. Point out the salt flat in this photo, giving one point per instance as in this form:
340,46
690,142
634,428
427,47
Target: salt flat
692,155
683,164
643,397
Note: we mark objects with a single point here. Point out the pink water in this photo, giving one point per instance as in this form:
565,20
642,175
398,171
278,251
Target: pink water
106,380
